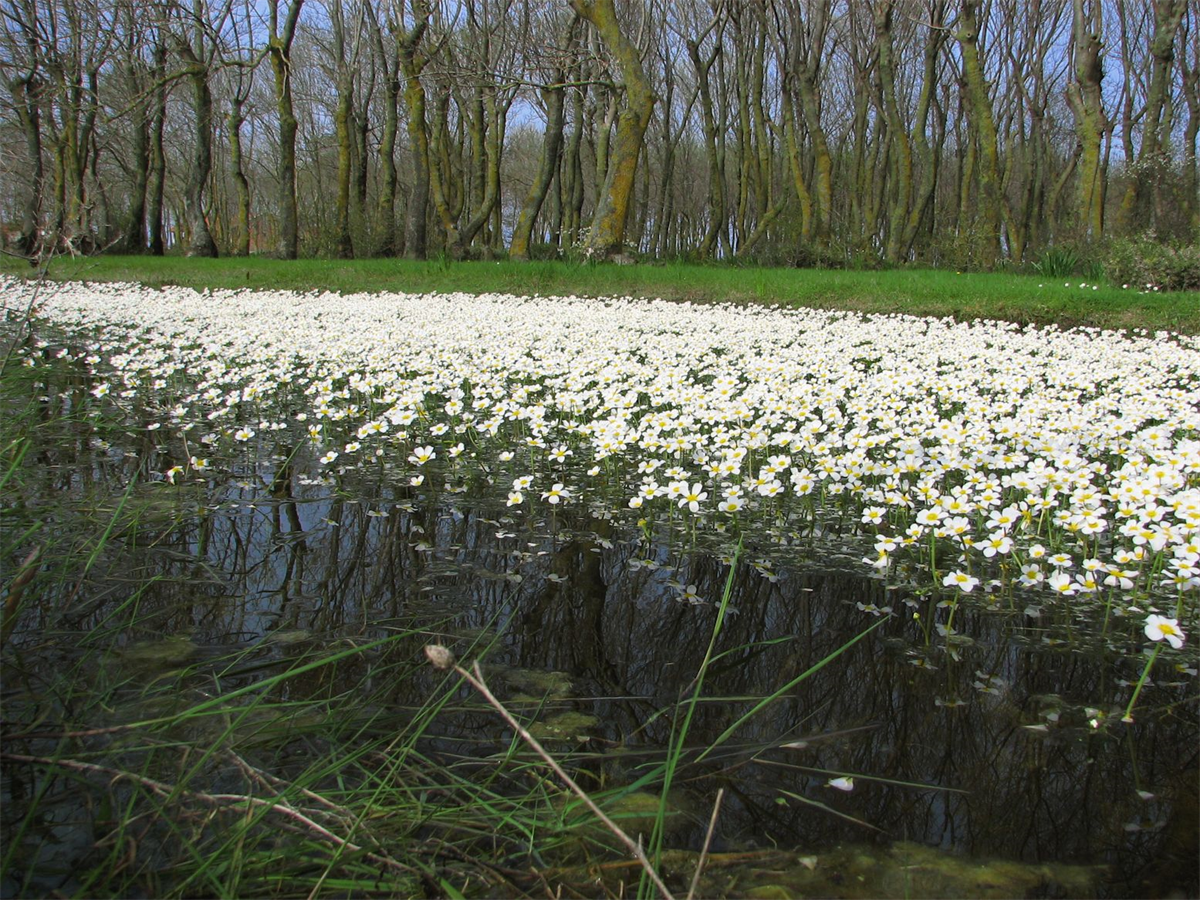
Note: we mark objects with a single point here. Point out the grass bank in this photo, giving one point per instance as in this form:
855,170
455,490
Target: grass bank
1008,296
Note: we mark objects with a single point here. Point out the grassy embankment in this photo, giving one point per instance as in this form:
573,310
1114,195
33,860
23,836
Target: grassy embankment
1009,296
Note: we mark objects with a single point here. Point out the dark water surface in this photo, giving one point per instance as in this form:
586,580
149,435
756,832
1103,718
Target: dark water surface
1002,743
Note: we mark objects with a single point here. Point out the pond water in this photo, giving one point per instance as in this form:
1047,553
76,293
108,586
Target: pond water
896,656
1001,746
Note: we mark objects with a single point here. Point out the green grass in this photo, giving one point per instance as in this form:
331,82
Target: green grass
1009,296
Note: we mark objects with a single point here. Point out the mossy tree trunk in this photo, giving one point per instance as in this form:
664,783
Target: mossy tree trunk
935,39
279,51
979,109
607,235
1145,182
24,87
135,70
241,184
197,64
1084,96
902,156
702,64
157,175
346,64
552,138
412,64
1190,67
802,28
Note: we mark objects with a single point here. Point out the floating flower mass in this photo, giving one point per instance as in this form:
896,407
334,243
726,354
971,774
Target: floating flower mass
1062,463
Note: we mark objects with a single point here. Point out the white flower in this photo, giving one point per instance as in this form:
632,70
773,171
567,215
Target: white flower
929,516
556,494
844,783
1060,582
961,580
692,497
1160,628
873,515
421,455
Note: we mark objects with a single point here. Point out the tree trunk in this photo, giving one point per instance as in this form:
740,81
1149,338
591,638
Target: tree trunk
446,203
979,107
608,225
1147,174
716,181
902,161
934,40
279,49
552,139
24,90
386,206
571,178
201,243
1085,97
1191,93
493,119
343,248
345,66
412,62
241,231
157,175
796,166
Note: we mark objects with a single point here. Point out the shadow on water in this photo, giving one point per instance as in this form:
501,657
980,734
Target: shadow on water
989,762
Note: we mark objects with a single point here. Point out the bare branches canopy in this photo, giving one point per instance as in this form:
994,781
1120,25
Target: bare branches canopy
948,132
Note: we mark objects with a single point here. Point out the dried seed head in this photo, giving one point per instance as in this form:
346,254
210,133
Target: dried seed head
440,656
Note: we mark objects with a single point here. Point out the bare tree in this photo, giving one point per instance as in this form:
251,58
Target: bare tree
607,236
550,68
279,51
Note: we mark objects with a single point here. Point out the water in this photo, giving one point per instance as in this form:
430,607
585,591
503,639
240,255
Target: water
984,760
1001,743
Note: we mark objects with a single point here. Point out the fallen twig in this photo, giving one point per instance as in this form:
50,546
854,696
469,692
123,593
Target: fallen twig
442,658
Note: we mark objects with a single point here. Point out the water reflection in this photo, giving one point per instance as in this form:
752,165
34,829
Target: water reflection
999,743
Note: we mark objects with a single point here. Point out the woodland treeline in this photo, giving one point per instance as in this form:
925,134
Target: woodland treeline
950,132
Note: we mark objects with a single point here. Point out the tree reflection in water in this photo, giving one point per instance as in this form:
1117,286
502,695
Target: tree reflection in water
1007,737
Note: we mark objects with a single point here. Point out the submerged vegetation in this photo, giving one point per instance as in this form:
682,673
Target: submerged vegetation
234,521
